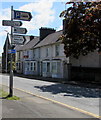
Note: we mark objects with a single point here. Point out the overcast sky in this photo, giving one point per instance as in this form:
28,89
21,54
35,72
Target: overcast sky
45,14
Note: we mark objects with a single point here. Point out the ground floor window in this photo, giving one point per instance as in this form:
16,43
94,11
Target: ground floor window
18,64
30,66
26,66
46,67
56,67
35,66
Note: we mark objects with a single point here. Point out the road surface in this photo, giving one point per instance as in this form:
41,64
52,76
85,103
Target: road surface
85,99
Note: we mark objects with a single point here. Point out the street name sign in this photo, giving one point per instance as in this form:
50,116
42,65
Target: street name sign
11,23
22,15
19,30
12,51
18,39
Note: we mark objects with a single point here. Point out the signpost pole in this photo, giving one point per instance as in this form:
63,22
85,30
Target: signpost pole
16,39
11,66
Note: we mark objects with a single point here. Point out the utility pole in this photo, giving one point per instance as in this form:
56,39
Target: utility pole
11,66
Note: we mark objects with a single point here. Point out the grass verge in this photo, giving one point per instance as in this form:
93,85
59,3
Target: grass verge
4,94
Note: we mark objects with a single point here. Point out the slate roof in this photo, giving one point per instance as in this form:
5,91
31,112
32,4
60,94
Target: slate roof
28,45
34,43
50,39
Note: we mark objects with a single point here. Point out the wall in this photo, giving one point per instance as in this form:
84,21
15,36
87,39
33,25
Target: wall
90,60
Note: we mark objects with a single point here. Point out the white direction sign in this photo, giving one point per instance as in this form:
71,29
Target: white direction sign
22,15
19,30
11,23
18,39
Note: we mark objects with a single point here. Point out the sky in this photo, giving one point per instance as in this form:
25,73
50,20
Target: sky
45,13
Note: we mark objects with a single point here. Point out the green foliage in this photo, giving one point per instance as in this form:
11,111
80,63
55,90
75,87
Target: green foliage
82,28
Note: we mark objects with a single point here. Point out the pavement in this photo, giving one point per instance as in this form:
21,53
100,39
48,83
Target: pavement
30,107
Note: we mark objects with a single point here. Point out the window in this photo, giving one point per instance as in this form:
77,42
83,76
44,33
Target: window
31,66
57,50
27,52
44,67
56,67
47,52
48,67
18,66
33,53
34,66
27,66
54,70
18,54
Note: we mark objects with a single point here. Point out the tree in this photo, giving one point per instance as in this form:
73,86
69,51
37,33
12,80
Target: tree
82,28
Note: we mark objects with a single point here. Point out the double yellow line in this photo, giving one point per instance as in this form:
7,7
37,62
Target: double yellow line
57,102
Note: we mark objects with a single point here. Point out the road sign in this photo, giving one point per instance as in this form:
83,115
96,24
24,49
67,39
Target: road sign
22,15
12,51
18,39
11,23
19,30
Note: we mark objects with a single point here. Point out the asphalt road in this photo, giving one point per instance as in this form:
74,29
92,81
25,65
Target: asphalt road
83,98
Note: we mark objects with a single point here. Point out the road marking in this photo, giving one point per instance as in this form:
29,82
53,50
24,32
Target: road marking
63,104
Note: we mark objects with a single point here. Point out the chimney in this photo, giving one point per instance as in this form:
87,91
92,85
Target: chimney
45,31
31,37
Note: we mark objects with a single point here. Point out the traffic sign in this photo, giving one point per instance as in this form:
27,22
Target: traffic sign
12,51
19,30
11,23
18,39
22,15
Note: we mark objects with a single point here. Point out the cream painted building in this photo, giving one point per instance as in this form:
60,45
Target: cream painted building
44,56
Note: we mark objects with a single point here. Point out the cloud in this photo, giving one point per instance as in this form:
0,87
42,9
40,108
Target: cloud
33,1
60,28
43,14
41,10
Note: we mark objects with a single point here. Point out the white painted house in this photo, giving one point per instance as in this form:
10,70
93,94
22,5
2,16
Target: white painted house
44,56
51,57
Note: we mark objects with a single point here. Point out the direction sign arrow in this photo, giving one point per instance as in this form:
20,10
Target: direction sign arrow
19,30
18,39
11,23
22,15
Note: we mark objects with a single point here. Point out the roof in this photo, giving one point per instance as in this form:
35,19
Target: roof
28,45
34,43
50,39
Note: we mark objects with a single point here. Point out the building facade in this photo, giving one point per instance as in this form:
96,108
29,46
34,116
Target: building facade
43,56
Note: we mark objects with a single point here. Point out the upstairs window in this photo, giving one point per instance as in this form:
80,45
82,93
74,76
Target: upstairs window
47,52
57,49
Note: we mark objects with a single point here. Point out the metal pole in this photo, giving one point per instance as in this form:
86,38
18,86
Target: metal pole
6,52
11,66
